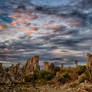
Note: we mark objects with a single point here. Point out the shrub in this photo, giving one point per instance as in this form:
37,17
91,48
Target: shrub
28,78
88,73
32,77
45,75
63,70
80,69
43,82
74,84
64,78
69,69
56,69
74,75
6,69
82,78
36,74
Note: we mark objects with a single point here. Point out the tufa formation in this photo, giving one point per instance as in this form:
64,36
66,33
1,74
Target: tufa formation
15,74
89,60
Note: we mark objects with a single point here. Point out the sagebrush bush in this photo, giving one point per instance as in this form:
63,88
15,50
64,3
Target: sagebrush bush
69,69
88,73
82,78
36,74
43,82
64,78
74,75
7,69
32,77
45,75
56,69
80,69
63,70
74,84
28,78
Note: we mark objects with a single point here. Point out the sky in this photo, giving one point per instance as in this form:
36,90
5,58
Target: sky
58,32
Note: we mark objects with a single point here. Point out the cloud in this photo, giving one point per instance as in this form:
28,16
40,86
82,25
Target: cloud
55,38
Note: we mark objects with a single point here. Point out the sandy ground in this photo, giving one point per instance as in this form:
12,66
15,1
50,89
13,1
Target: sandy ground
82,87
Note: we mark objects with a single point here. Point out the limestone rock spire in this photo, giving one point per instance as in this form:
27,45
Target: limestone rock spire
89,60
35,63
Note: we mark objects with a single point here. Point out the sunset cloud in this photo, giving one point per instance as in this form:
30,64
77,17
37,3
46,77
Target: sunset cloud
14,23
55,34
1,27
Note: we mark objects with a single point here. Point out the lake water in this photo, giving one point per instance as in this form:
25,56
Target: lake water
59,31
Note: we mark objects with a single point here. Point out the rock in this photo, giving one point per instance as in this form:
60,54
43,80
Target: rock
82,75
58,74
1,68
76,63
18,73
11,76
31,65
18,69
89,89
12,69
89,60
62,66
5,78
81,88
27,68
51,67
0,65
46,66
35,63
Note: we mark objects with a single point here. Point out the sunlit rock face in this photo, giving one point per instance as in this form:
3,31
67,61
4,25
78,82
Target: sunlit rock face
35,63
27,68
59,32
89,60
31,65
49,67
46,66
